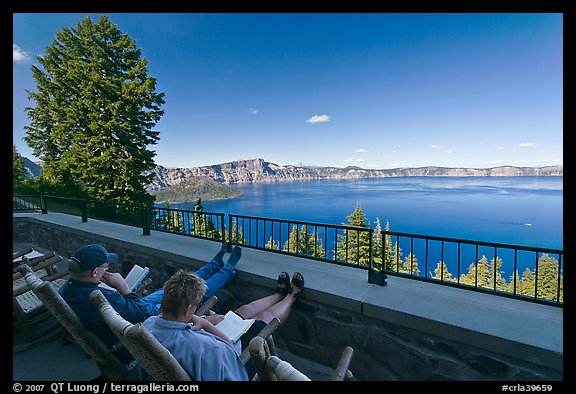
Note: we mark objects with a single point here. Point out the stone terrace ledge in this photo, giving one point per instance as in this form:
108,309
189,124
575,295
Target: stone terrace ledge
407,330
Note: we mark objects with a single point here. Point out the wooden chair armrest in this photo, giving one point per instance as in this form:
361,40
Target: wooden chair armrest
342,372
24,288
21,253
207,305
37,260
265,334
44,264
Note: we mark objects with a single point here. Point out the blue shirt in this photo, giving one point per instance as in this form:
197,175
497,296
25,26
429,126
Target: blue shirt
77,295
203,355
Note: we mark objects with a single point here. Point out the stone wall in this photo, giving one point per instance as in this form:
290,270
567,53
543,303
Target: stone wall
318,332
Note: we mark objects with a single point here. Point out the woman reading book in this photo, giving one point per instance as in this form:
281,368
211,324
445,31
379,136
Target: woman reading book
200,346
88,267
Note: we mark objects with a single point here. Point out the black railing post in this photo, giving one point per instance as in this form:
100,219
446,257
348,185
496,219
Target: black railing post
377,277
229,243
84,211
145,222
43,204
222,220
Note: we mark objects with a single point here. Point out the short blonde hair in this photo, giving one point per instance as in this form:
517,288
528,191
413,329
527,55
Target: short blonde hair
182,289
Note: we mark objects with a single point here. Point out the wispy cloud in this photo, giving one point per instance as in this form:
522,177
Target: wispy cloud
526,145
450,151
19,55
253,111
361,150
354,160
435,146
318,119
500,148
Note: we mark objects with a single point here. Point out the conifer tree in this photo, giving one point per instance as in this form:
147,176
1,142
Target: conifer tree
549,278
476,275
484,273
272,244
237,234
441,273
304,242
495,274
390,252
18,172
377,246
410,265
94,113
353,245
524,284
394,257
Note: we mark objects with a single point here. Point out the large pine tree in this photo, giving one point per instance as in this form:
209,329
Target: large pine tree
353,245
95,110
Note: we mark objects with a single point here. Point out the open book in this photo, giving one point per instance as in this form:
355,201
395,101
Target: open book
133,279
234,326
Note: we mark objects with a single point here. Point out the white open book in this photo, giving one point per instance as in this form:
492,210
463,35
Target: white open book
234,326
133,279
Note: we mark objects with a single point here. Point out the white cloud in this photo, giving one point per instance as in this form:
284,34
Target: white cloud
527,145
435,146
450,151
318,119
361,150
354,160
500,148
19,55
253,111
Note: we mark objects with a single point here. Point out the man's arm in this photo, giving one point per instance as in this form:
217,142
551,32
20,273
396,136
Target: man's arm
117,281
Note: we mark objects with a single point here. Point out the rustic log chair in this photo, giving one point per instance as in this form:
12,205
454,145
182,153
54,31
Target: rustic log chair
270,367
148,352
150,355
110,366
27,309
16,255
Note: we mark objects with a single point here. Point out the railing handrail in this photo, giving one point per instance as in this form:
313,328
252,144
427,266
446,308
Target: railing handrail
472,242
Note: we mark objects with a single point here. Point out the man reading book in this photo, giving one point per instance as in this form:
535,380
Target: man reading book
200,346
89,265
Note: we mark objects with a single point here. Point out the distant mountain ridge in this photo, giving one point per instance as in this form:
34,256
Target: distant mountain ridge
260,171
32,169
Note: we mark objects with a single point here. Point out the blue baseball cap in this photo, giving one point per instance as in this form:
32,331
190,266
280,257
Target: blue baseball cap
89,257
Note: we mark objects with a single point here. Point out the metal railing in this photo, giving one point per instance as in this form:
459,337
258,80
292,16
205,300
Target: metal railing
200,224
27,203
531,274
534,274
344,245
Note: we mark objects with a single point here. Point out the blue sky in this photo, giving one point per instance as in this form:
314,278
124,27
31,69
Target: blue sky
370,90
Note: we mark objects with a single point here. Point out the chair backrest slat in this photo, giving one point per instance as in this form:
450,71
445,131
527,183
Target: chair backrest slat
148,352
108,363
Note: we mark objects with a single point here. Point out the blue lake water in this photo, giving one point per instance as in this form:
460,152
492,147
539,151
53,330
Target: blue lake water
526,211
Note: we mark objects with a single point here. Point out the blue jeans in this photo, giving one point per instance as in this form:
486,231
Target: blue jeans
211,272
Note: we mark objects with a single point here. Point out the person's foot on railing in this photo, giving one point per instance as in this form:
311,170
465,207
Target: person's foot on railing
283,283
297,285
235,256
219,258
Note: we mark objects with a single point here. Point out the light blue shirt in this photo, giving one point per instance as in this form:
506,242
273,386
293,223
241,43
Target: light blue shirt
203,355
